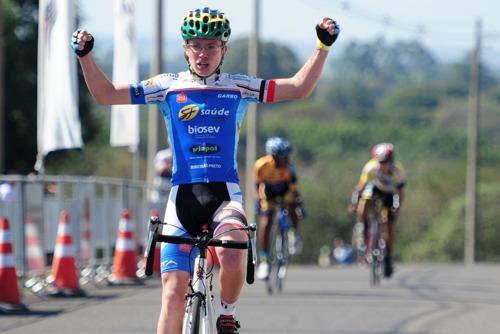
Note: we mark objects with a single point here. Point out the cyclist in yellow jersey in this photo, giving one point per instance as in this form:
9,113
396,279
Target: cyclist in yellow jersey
276,183
381,176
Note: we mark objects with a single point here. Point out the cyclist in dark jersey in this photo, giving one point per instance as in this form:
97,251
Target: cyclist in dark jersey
203,110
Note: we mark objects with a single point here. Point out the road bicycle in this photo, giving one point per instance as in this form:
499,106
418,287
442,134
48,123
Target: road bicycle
282,246
376,246
376,250
199,314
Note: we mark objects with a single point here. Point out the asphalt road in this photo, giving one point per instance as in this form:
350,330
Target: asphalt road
419,299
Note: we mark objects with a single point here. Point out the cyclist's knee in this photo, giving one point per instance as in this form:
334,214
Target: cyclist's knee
230,259
175,287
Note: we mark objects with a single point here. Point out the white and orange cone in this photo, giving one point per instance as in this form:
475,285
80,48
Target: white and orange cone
64,269
34,252
125,257
10,298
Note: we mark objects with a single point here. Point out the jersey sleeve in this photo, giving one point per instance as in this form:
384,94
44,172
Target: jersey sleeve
400,175
152,90
254,89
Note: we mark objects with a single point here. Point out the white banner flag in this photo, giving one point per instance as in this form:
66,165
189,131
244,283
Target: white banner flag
125,118
58,124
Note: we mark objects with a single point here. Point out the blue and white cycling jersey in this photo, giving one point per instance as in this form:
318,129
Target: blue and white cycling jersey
203,118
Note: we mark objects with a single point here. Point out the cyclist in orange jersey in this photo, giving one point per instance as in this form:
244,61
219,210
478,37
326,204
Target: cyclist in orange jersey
276,182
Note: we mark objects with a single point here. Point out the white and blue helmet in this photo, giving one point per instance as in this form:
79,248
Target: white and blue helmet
278,147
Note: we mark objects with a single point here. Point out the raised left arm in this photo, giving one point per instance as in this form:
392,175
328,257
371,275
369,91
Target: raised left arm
305,80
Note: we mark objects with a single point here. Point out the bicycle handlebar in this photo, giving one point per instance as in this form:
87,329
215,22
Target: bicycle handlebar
153,237
197,241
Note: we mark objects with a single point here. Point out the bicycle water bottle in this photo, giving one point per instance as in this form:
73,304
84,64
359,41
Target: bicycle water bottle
283,220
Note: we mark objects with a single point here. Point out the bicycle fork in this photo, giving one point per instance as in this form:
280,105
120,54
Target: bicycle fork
199,287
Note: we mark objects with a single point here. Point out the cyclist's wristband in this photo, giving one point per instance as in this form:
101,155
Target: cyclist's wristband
321,46
325,37
87,47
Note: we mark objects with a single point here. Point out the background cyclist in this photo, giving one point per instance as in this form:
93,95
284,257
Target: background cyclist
203,110
163,163
276,182
385,177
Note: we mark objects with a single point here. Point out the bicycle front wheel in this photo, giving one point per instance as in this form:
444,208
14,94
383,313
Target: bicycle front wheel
194,315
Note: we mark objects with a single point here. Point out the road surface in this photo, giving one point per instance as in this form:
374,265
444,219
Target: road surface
419,299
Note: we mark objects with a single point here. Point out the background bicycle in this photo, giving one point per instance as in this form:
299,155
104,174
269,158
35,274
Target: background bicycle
284,243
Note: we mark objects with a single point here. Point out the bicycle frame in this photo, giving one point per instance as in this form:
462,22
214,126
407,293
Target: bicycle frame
376,247
199,313
202,289
279,252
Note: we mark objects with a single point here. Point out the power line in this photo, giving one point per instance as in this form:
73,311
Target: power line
392,24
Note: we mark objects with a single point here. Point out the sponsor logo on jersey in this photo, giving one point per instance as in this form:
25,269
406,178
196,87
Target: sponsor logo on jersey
197,130
215,112
188,112
182,98
149,82
227,96
205,149
137,92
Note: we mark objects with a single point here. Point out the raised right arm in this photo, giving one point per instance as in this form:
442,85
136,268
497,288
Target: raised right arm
101,88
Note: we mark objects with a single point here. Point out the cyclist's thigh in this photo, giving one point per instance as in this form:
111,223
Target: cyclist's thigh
175,257
230,215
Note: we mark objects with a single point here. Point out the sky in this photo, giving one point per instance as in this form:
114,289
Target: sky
447,27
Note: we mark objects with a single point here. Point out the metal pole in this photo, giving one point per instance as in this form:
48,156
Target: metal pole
2,87
154,123
252,116
472,146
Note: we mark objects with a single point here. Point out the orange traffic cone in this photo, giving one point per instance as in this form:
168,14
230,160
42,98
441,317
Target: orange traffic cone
10,299
125,257
34,252
64,270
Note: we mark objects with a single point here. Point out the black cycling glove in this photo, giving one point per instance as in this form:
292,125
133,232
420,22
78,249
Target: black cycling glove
325,37
87,47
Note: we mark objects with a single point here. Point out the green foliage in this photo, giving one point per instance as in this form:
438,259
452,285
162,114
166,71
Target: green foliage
444,238
21,37
275,60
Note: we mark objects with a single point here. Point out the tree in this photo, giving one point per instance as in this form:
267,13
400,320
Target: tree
275,60
21,37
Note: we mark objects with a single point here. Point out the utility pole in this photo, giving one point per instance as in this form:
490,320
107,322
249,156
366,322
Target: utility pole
2,88
154,120
252,116
472,148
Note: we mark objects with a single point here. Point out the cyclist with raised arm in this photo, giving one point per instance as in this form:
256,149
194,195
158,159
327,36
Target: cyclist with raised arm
276,182
384,177
203,109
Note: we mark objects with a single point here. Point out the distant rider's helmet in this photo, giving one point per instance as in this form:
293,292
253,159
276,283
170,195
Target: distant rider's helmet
383,152
278,147
206,23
